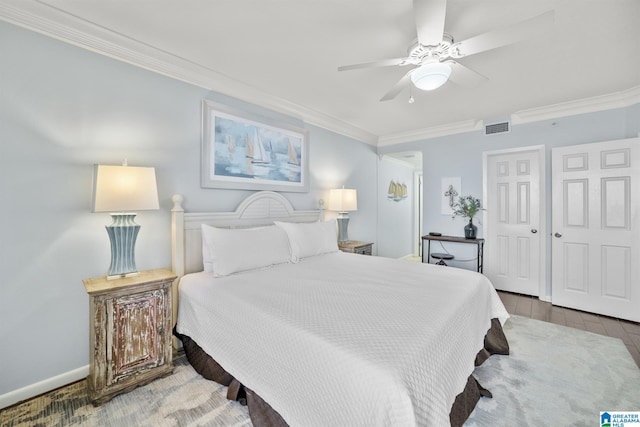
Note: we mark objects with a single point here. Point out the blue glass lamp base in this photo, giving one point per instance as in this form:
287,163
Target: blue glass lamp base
122,232
343,225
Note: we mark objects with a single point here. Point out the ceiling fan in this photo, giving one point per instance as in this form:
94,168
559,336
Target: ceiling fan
431,57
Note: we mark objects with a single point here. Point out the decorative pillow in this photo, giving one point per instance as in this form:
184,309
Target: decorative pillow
235,250
311,238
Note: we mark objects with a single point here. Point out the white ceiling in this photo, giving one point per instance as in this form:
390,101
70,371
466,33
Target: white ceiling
284,54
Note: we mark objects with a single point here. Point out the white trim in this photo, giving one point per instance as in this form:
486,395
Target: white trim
614,100
44,386
543,291
621,99
418,214
430,132
55,23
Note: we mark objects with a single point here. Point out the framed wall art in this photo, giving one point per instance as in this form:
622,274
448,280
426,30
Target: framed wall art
249,152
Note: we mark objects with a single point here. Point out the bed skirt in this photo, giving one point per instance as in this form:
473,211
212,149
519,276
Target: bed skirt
263,415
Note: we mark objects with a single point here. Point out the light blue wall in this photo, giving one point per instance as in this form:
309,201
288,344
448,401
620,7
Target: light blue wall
63,109
633,121
461,155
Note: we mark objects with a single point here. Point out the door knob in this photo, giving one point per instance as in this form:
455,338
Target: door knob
534,231
558,235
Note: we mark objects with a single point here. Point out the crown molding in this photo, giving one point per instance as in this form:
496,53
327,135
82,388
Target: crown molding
620,99
52,22
56,23
430,132
611,101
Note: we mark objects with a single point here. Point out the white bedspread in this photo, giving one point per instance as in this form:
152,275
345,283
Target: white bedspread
345,339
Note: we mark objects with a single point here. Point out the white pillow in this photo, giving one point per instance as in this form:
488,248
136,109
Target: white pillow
235,250
311,238
206,256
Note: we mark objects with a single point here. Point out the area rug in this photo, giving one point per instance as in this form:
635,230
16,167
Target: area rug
182,399
554,376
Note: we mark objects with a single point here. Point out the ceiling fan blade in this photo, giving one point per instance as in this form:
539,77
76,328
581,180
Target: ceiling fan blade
514,33
381,63
464,76
430,15
397,88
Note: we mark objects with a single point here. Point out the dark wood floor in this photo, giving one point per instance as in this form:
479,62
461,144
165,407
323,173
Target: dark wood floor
527,306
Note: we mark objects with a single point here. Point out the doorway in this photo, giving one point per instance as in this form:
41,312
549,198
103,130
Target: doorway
514,219
400,218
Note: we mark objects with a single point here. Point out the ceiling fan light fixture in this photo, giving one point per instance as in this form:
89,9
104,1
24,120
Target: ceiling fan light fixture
431,75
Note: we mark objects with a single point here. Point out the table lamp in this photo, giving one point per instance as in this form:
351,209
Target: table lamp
120,190
343,200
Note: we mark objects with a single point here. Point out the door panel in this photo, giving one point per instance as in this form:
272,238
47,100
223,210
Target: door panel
523,257
576,257
596,230
576,202
513,221
616,269
615,202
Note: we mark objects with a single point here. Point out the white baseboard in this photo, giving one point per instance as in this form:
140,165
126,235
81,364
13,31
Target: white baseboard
44,386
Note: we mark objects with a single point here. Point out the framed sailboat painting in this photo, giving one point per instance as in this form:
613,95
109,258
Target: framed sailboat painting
250,152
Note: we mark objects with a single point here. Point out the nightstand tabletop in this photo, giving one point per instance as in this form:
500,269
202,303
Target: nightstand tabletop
97,285
356,246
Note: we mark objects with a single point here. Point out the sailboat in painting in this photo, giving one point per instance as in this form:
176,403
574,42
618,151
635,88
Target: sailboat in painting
249,151
248,147
259,153
397,191
230,145
293,156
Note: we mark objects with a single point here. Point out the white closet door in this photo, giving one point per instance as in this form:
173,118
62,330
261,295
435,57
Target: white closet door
514,220
596,228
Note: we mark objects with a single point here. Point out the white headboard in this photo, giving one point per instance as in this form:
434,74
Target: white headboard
261,208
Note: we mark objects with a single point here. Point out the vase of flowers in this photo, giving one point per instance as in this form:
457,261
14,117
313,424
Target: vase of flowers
468,207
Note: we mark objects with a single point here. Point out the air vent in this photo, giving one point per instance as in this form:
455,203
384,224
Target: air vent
496,128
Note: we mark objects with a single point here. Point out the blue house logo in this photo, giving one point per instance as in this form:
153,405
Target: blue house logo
605,419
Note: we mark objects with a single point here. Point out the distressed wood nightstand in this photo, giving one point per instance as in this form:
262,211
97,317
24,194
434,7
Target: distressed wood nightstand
356,247
130,332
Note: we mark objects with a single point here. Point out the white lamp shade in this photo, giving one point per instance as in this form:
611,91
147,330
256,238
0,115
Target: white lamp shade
124,188
343,200
431,75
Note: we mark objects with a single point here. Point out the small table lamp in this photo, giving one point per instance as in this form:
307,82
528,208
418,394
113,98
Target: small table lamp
123,189
343,200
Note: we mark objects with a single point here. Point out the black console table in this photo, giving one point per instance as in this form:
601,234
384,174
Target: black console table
478,242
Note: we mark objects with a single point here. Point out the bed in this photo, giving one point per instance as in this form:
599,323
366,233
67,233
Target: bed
317,337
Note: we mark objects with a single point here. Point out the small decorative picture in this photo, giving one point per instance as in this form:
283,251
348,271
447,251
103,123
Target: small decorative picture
248,152
397,191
